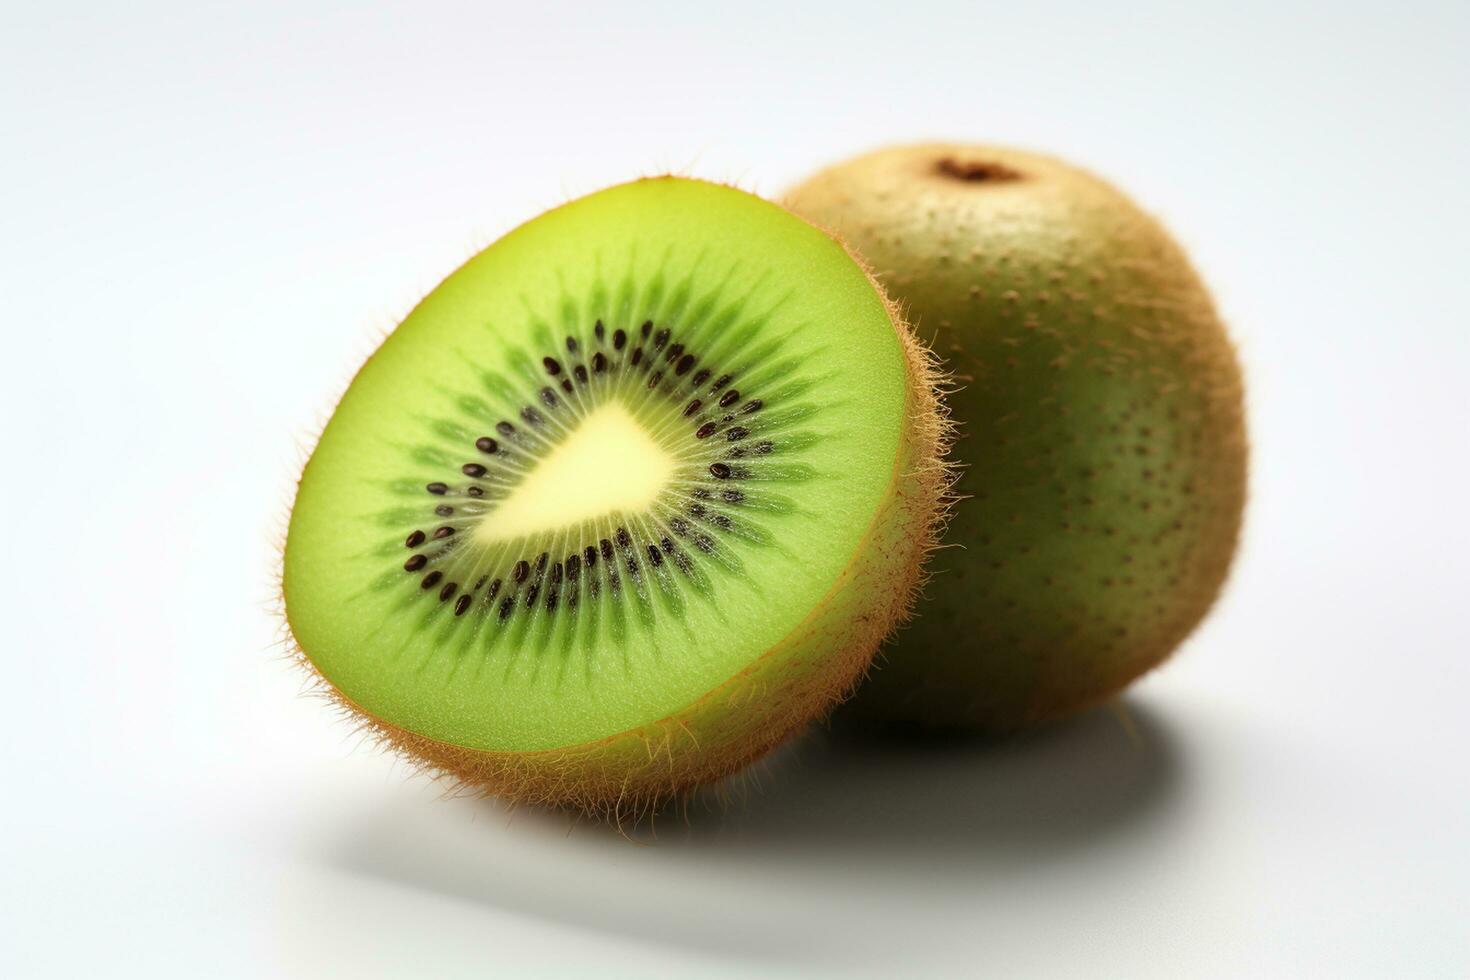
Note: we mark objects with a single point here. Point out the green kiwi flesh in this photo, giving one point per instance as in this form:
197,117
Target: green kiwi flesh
630,496
1100,407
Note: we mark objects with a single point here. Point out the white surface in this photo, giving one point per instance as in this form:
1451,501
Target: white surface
206,214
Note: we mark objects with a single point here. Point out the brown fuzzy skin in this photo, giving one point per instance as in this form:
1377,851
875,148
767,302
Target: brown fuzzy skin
636,772
1101,406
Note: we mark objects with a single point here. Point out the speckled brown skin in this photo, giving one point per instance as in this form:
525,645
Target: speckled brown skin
1101,422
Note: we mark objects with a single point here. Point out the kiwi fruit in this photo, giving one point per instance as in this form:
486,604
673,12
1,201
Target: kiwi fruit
1102,437
622,503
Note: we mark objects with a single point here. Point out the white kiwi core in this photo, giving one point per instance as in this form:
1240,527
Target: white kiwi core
608,464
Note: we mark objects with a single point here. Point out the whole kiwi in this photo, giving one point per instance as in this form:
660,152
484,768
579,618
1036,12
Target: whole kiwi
1102,432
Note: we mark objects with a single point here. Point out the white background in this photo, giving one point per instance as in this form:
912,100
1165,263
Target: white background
206,217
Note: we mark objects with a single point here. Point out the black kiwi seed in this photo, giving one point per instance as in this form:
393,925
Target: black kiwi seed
724,380
448,591
475,491
733,496
574,566
551,597
415,539
494,590
637,355
655,557
556,573
729,398
571,345
566,384
599,329
415,563
619,339
541,563
461,604
599,363
581,374
486,445
691,408
444,510
549,397
736,433
700,377
589,555
606,547
754,405
507,605
647,327
532,416
552,365
660,339
521,571
476,587
531,593
443,532
654,379
438,488
623,537
705,431
719,471
474,470
685,363
505,428
680,526
430,580
673,352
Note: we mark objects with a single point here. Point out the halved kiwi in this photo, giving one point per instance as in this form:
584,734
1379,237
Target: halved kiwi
627,499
